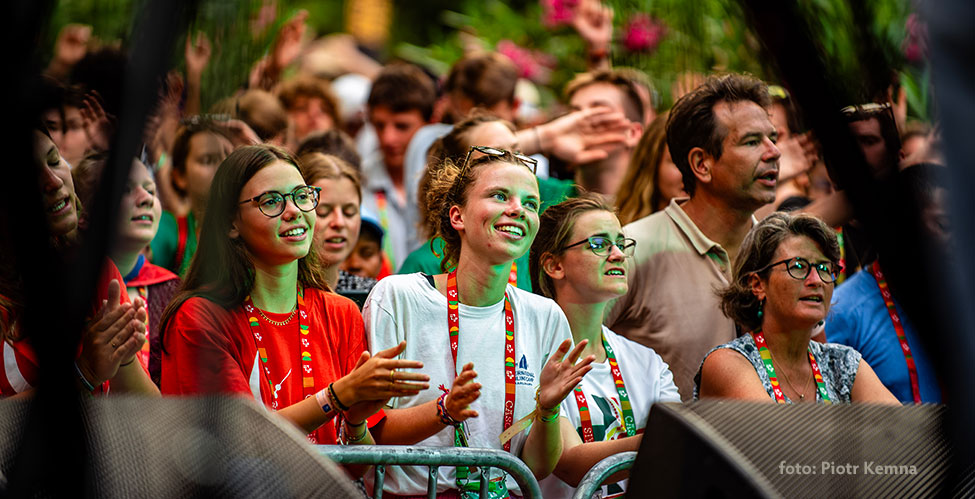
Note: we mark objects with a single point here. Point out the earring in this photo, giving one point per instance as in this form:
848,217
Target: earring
760,307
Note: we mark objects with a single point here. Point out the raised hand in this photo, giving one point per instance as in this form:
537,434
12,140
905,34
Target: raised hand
287,46
375,379
463,393
594,23
584,136
113,337
70,47
197,54
561,374
99,125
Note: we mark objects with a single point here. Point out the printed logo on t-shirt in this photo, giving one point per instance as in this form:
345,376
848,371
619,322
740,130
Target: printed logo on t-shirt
522,375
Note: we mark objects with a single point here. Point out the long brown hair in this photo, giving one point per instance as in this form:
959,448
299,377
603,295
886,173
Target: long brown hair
221,270
638,195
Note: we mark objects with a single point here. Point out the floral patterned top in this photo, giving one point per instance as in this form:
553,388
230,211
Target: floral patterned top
838,364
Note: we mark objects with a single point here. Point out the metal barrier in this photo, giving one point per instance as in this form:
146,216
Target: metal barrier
601,471
381,456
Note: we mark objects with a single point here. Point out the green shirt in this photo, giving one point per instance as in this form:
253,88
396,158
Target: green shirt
166,242
551,191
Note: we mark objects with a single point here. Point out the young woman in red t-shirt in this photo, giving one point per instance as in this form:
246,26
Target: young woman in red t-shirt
256,317
116,331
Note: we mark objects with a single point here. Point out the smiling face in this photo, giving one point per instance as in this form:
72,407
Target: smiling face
790,302
139,209
280,240
57,186
499,220
580,275
339,220
745,175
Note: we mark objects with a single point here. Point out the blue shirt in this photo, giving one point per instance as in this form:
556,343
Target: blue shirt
858,317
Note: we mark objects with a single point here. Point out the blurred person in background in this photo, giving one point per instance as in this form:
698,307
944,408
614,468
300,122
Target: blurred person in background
652,179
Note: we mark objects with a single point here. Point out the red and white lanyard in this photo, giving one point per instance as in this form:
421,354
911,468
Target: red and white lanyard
307,369
627,421
453,327
899,328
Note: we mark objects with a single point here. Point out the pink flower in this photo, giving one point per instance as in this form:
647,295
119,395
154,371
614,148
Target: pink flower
915,44
557,13
532,65
643,33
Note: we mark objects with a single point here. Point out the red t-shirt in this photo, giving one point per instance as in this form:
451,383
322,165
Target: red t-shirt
209,349
19,369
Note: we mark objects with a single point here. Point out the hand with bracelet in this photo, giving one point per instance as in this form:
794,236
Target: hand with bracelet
112,338
375,379
559,377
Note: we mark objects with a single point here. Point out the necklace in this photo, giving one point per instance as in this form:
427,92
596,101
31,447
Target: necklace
802,395
766,356
279,323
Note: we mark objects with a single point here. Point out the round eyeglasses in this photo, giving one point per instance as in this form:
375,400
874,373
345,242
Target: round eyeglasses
271,203
799,268
601,245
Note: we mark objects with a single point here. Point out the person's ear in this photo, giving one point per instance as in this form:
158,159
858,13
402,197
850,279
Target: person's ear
757,286
178,179
456,218
234,232
633,134
552,266
701,163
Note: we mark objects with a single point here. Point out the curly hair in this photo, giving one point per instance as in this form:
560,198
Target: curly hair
757,250
448,187
555,227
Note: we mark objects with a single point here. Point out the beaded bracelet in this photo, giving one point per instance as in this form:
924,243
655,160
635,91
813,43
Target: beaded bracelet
84,380
360,437
442,413
335,398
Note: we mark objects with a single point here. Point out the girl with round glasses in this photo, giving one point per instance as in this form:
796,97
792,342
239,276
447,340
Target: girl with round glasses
783,282
580,260
498,353
256,318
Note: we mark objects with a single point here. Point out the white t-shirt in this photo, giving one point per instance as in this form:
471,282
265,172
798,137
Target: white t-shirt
409,307
647,380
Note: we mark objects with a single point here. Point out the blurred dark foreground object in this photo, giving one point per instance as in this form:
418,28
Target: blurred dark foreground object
184,447
747,449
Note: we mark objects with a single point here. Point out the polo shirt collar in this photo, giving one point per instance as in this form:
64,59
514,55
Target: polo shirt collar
697,238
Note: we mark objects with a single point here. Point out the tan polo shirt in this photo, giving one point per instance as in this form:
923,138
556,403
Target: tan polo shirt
671,305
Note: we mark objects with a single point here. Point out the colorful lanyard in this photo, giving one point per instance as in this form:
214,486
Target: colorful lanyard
308,374
144,294
628,422
513,276
453,327
770,369
382,206
842,274
899,328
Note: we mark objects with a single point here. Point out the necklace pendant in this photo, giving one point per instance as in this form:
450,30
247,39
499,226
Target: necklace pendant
802,396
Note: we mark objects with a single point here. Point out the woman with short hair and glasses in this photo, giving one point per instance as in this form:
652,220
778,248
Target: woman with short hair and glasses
783,282
497,352
580,260
256,318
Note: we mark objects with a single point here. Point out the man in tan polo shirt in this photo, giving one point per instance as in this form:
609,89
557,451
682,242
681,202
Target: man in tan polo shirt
723,142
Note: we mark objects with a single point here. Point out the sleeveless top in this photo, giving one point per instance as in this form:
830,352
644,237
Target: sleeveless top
838,364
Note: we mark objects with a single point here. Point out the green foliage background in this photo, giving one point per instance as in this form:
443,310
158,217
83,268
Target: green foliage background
702,36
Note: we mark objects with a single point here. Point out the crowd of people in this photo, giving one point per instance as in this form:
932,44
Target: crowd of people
388,256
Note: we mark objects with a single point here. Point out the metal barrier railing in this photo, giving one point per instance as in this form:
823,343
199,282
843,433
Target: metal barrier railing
602,470
382,456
